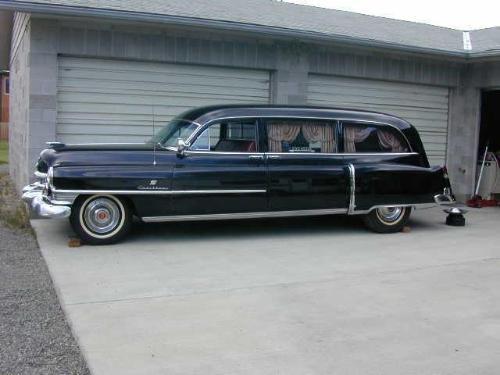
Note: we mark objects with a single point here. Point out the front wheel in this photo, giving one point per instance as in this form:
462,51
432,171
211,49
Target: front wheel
100,219
387,219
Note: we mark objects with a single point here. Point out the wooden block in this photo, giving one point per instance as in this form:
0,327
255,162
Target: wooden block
74,242
406,229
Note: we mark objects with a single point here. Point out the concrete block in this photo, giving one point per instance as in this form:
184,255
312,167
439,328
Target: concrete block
42,101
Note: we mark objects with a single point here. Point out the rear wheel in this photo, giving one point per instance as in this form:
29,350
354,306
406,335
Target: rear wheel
387,219
100,219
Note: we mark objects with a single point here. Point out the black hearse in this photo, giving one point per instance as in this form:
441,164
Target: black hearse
236,162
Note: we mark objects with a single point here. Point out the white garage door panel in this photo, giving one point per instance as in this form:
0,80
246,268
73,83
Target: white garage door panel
112,101
426,107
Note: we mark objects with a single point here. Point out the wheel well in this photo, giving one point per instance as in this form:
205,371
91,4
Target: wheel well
129,202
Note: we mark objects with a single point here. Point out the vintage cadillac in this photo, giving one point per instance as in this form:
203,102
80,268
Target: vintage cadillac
238,162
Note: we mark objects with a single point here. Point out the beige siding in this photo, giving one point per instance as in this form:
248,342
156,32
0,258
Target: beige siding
113,101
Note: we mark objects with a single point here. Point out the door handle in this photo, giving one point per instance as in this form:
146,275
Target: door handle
274,157
256,157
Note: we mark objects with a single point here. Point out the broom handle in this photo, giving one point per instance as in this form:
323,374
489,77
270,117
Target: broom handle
481,172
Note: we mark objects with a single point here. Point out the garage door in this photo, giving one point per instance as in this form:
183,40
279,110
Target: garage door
113,101
426,107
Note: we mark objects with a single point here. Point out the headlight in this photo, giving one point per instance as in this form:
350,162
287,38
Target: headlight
41,166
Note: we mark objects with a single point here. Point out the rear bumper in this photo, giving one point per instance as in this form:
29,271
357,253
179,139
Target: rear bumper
33,196
445,199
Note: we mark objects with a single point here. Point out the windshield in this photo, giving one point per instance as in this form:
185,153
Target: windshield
177,128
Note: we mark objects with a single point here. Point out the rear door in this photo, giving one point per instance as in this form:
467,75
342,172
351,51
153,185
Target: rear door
305,170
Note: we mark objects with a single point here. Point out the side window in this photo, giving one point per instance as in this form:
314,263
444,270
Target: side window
301,135
228,136
367,138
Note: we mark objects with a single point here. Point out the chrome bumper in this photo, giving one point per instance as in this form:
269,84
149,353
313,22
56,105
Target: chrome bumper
39,204
445,199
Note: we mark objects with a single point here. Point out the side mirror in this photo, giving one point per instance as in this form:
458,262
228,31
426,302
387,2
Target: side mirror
181,146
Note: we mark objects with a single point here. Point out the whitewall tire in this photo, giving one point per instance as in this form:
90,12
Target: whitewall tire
100,219
387,219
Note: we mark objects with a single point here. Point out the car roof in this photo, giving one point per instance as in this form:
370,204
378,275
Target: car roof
203,115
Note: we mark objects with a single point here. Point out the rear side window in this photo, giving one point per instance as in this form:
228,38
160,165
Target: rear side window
370,138
301,135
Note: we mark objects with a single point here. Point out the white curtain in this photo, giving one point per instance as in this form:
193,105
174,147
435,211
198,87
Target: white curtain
281,131
353,135
313,131
320,132
388,140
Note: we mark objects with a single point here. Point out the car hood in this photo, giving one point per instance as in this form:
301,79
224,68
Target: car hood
100,154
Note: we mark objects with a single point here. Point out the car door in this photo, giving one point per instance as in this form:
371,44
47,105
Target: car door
305,170
222,172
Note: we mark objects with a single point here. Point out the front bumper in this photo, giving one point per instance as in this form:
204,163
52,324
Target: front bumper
41,205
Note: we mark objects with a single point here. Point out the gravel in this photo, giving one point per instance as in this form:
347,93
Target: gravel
34,335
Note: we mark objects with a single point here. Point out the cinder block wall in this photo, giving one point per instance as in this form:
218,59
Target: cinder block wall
19,142
465,116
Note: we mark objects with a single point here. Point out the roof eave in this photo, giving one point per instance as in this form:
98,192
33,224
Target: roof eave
484,54
64,10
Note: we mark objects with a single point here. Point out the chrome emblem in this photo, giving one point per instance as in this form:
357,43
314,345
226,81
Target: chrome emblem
153,185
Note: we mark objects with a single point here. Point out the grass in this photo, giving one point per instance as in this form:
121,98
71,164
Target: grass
4,152
13,211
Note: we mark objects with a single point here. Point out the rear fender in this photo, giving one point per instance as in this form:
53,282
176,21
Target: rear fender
391,184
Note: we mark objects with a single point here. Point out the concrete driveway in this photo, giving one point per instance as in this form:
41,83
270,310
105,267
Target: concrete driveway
299,296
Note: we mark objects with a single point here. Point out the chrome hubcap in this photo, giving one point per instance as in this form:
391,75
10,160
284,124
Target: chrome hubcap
102,215
390,214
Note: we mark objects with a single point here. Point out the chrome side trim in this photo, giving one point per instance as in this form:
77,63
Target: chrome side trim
181,192
302,153
157,192
99,143
377,153
352,188
415,205
244,215
208,152
63,197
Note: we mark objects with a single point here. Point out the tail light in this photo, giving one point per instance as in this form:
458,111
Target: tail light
445,171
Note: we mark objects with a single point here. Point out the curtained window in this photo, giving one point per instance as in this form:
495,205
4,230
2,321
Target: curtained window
294,135
366,138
